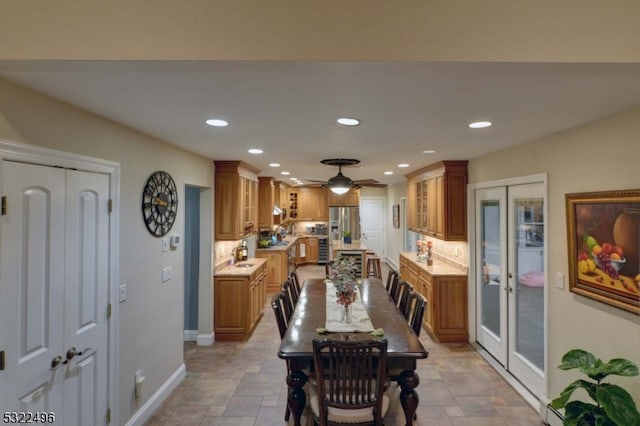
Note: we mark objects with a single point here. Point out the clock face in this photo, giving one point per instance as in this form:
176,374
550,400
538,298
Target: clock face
159,203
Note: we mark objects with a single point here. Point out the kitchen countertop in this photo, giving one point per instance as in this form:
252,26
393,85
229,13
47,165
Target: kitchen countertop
355,245
280,247
439,268
234,270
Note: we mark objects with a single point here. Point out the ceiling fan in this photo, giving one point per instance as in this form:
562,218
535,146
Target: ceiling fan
340,184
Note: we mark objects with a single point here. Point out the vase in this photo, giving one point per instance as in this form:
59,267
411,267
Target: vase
346,314
347,240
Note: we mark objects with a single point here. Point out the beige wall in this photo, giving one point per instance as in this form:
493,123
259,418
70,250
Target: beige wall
354,30
151,319
602,155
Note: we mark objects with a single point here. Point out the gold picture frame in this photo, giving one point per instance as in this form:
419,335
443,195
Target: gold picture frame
603,239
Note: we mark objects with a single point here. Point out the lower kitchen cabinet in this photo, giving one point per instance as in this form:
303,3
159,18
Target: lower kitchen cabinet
446,318
277,268
238,303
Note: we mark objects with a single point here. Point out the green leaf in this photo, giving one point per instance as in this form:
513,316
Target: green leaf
577,358
622,367
561,401
578,413
618,405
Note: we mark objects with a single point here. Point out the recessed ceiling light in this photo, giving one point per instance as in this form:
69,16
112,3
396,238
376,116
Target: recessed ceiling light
255,151
274,165
346,121
284,172
293,178
403,165
388,172
480,124
429,151
216,122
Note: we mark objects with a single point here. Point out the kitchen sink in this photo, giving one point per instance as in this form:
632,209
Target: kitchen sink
245,265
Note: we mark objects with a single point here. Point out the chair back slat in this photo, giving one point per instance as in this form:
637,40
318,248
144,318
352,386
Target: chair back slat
289,289
392,280
293,277
405,290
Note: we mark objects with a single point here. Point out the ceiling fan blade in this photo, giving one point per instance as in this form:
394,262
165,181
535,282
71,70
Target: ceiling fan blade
369,182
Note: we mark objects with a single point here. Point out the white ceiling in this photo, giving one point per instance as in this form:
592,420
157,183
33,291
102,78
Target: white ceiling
289,108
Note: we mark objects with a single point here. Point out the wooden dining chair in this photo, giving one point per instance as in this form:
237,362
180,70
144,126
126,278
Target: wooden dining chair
419,310
289,289
278,304
351,388
293,277
288,302
392,278
405,287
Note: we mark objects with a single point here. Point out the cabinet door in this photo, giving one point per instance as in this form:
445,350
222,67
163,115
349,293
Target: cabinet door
306,204
321,204
312,250
412,214
352,198
427,285
228,206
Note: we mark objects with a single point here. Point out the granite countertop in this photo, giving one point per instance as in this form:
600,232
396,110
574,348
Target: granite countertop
355,245
281,246
235,270
438,268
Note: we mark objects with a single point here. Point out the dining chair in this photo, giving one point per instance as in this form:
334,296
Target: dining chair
403,295
288,288
417,316
407,303
286,296
293,277
351,388
392,278
278,304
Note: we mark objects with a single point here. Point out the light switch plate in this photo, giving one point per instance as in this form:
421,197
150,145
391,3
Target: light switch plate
166,274
560,280
123,292
165,244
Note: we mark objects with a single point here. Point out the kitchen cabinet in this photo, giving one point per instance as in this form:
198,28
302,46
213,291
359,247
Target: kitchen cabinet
310,250
281,194
313,204
236,193
238,303
266,202
277,265
446,318
437,200
350,199
293,203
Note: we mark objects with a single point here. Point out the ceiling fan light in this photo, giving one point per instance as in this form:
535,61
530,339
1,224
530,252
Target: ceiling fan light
339,184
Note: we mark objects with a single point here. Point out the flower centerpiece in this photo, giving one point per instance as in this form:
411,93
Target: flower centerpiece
424,250
342,273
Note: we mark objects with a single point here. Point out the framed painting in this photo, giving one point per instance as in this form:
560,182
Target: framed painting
603,238
396,215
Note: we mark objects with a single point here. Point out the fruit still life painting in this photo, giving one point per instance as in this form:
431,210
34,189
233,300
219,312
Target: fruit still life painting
603,230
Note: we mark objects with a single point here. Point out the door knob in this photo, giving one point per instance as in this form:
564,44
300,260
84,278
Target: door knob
71,353
56,361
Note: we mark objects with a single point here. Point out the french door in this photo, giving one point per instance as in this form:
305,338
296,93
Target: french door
54,292
510,279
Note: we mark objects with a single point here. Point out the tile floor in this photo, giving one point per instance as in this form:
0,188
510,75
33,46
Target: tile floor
242,384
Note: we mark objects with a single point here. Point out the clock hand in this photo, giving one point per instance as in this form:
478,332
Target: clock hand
160,202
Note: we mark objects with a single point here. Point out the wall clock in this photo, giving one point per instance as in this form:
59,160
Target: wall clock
159,203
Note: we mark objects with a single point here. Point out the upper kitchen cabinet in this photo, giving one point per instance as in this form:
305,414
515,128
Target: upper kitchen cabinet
437,200
281,193
350,199
266,201
236,200
313,204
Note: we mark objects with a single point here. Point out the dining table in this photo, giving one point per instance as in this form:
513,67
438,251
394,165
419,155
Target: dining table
308,321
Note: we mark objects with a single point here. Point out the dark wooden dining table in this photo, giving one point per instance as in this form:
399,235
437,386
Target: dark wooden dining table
404,347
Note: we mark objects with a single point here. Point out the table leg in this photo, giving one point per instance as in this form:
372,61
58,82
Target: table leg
297,399
408,381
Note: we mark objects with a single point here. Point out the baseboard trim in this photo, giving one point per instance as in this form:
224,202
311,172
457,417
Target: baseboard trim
146,411
550,416
190,335
205,339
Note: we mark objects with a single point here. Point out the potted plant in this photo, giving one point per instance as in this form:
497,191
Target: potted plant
346,236
614,404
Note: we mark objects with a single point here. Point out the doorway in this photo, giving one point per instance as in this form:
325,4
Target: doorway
191,261
509,226
373,219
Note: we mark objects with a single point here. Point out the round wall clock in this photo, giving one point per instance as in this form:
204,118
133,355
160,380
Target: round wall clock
159,203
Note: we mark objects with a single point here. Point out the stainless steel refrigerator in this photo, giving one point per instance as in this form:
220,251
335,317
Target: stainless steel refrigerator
344,219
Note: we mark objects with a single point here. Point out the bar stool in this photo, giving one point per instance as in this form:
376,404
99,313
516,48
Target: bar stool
374,270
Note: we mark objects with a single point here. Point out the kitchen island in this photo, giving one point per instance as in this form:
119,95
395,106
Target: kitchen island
238,298
355,250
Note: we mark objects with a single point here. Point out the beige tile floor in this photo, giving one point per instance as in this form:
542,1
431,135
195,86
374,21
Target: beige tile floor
242,384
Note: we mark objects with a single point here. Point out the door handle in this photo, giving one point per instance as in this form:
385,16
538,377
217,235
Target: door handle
73,352
55,362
